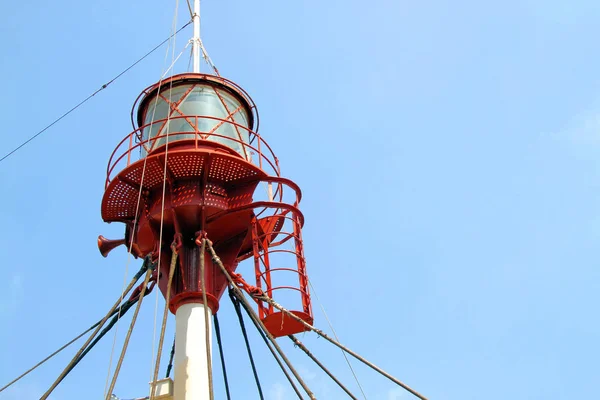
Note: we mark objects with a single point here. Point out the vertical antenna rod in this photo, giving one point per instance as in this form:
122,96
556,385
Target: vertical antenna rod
196,39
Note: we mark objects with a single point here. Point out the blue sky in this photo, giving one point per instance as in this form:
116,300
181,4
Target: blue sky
448,156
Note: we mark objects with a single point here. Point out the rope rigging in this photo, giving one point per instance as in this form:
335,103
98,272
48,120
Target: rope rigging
122,311
177,240
235,301
240,297
206,318
319,332
238,300
92,95
263,297
131,326
154,374
174,248
299,344
111,312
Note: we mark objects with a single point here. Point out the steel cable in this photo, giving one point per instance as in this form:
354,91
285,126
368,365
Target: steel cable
272,302
54,353
238,311
120,312
170,365
92,95
222,356
312,288
319,332
299,344
75,359
128,336
239,295
236,303
162,212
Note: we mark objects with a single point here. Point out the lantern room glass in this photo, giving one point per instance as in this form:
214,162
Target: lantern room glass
192,106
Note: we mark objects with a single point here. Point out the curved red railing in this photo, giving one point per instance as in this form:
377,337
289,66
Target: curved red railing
266,273
128,147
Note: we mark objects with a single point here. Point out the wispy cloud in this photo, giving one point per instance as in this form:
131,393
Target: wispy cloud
586,126
396,394
23,391
277,391
12,295
561,12
319,384
583,128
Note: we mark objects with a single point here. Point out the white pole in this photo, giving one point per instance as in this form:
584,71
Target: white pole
191,368
196,38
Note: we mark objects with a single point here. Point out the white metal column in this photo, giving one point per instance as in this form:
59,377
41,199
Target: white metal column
196,39
191,368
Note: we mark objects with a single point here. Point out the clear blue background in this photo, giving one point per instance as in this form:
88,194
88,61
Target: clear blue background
449,157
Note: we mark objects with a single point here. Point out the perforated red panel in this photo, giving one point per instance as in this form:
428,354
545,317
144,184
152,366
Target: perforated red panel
121,203
186,165
240,200
153,175
216,196
186,193
121,196
229,170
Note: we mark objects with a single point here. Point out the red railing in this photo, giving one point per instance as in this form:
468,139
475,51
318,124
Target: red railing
265,246
134,145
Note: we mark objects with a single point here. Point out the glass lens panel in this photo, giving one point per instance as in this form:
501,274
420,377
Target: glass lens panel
212,110
157,110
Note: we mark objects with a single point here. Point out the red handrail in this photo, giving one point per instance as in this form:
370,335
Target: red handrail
268,156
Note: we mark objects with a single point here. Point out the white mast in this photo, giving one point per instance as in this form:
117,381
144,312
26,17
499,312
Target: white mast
191,363
196,39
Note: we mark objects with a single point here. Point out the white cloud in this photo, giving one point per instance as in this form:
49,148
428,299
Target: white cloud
277,391
318,384
584,128
23,391
561,12
306,373
396,393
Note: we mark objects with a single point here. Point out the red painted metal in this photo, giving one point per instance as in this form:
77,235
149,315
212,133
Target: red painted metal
212,191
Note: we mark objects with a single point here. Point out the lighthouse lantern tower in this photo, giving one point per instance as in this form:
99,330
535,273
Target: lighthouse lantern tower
194,169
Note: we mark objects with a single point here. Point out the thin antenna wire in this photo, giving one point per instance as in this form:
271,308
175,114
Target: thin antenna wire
190,8
312,288
208,59
135,224
168,125
191,56
137,210
91,95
